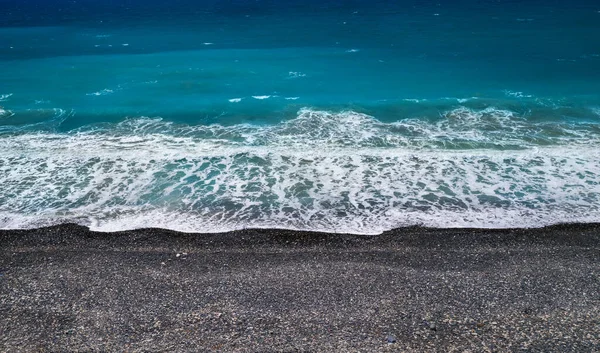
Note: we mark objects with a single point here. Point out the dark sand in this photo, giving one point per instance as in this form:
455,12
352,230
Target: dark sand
68,289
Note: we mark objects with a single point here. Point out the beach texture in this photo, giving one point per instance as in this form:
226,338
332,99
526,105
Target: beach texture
66,289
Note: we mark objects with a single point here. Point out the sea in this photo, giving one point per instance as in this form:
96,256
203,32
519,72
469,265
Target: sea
346,116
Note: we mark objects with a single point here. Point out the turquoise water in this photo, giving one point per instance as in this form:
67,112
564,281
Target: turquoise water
335,116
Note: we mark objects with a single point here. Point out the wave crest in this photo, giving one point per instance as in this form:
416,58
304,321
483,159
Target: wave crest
337,172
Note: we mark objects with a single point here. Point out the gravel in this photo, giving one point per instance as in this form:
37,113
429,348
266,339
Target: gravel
66,289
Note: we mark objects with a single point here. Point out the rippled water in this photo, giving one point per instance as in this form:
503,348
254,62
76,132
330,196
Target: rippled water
341,118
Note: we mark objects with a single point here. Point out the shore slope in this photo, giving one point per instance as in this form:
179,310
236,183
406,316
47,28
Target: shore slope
65,288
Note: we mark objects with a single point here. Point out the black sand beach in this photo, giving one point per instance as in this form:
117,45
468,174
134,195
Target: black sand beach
66,289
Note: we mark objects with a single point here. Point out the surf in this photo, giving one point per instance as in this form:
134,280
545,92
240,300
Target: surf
323,170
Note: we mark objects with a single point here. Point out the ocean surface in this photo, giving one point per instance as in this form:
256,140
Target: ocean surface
338,116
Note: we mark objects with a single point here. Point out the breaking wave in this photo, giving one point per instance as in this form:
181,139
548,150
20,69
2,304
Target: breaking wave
325,171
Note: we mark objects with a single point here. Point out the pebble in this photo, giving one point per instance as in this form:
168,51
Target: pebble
391,339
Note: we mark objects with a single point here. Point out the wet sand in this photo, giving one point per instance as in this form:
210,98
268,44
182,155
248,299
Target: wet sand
65,289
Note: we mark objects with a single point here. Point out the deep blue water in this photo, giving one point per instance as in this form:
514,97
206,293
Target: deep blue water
354,116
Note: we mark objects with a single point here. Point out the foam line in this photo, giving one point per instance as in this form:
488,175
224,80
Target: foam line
335,172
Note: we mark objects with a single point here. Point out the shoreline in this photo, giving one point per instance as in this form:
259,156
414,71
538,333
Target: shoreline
72,234
65,288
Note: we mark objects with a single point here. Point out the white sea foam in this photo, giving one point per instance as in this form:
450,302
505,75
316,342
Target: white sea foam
352,50
235,100
516,94
459,100
103,92
335,172
295,74
261,97
5,97
4,113
292,98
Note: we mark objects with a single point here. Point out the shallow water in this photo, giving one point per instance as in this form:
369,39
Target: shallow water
355,117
